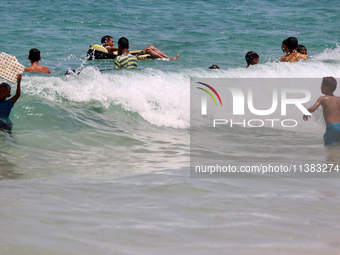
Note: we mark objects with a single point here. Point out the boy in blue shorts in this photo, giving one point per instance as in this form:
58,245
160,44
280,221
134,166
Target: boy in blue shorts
6,105
125,59
331,110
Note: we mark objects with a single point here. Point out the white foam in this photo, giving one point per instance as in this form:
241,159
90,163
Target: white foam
160,98
163,97
328,54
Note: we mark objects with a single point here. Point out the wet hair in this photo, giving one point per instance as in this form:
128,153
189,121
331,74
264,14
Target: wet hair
301,48
123,42
250,56
34,55
329,82
214,67
292,43
105,38
6,85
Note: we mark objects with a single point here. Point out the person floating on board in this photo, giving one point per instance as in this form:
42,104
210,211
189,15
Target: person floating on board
6,105
124,58
252,58
34,57
292,55
331,111
107,42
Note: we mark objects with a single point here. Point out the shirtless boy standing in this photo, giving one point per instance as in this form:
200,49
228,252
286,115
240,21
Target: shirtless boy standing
331,110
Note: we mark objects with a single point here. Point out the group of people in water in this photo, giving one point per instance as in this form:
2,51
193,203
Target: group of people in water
6,105
107,42
329,102
123,60
294,52
127,60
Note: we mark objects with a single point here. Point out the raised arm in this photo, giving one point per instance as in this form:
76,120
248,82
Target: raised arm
111,49
314,107
17,94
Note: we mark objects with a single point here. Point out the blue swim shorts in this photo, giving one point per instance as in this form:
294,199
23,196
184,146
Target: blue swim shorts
332,135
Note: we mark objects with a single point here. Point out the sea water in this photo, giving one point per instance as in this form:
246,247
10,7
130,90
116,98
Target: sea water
100,162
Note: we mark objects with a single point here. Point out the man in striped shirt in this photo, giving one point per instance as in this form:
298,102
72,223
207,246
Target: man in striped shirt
125,59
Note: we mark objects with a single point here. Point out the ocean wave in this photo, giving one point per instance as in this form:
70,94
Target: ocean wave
162,98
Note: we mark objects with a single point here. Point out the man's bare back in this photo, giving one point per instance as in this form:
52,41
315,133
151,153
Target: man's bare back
34,57
37,68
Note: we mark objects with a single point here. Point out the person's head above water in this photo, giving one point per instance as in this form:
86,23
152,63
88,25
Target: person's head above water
34,55
123,43
214,67
301,49
106,40
292,43
252,58
284,46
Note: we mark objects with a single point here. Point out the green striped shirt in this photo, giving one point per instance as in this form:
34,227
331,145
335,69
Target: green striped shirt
126,61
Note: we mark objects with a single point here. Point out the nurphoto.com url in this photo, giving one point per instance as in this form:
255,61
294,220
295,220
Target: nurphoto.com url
268,168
